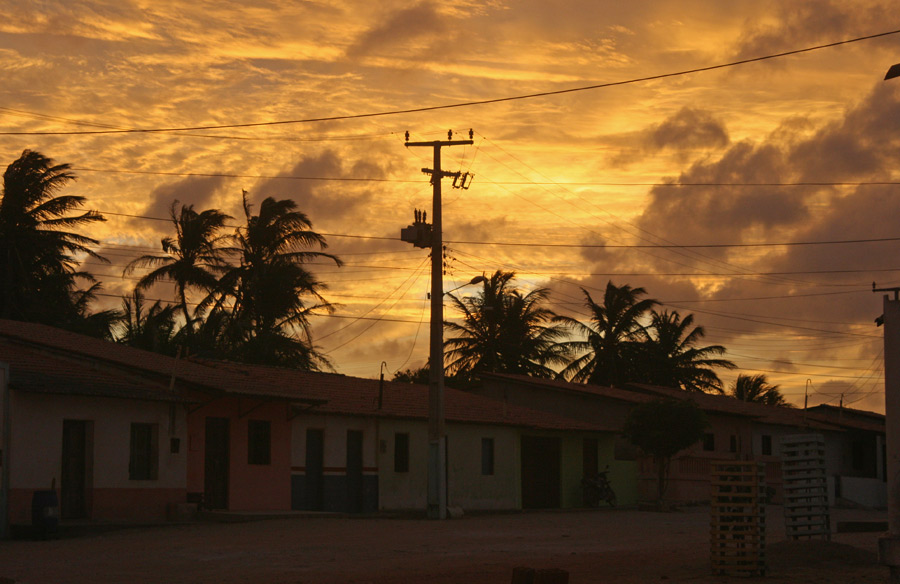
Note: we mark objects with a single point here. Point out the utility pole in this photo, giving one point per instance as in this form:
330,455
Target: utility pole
889,546
437,438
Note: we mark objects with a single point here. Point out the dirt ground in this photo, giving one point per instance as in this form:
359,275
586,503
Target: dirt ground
594,546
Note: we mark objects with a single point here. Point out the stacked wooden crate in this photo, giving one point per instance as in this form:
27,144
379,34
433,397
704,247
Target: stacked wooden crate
805,487
738,518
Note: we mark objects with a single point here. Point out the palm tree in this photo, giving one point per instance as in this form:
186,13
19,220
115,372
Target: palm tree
611,351
193,257
271,293
674,360
152,329
756,389
504,331
38,267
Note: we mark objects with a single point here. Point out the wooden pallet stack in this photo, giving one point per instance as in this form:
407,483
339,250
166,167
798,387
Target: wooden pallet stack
805,487
738,518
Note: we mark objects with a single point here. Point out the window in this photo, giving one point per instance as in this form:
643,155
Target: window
766,445
259,442
709,442
401,452
732,445
858,454
143,461
487,456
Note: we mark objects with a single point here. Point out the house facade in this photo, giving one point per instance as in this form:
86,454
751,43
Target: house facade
499,456
121,434
111,448
737,431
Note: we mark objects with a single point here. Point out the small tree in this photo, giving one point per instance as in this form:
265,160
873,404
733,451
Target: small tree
411,375
662,428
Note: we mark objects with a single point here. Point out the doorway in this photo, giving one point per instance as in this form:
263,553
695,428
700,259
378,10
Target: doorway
315,459
215,468
75,475
354,471
541,458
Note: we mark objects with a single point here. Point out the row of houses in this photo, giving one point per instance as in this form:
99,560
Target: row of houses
127,435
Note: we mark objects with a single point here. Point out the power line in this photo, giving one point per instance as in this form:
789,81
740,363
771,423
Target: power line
678,245
230,175
495,182
466,103
790,326
314,315
653,240
563,245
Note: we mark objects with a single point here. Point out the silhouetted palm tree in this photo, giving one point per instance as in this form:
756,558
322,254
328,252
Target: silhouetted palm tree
674,360
756,389
38,268
194,258
612,351
270,293
504,331
152,329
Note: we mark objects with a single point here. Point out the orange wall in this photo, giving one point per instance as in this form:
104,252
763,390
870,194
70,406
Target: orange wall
251,487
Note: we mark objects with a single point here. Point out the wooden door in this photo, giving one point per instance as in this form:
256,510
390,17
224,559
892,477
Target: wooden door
73,477
354,471
215,473
315,459
541,459
590,464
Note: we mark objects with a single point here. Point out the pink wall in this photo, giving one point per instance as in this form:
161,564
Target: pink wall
118,505
251,487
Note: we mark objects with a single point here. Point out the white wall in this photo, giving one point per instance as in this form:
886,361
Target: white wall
467,487
36,445
334,430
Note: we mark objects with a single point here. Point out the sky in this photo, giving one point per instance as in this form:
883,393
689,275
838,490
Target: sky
775,164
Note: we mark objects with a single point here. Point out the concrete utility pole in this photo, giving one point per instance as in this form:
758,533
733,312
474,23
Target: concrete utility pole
889,546
5,459
437,439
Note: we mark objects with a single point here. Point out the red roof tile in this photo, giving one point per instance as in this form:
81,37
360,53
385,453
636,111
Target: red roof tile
334,393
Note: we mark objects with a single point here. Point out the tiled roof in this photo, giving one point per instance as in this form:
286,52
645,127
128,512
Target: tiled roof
197,375
849,417
357,396
569,387
35,371
322,392
778,415
638,393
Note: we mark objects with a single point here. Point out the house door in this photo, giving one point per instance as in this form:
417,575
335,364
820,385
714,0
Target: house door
590,464
74,474
540,472
215,468
315,458
354,471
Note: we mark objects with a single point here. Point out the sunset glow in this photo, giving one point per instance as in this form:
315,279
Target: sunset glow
581,187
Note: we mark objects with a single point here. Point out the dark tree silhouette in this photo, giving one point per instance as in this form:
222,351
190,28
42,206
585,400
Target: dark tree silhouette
756,389
674,360
504,331
38,269
410,375
151,329
270,291
662,428
194,258
612,350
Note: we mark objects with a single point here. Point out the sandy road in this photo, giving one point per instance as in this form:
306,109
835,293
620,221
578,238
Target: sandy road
594,546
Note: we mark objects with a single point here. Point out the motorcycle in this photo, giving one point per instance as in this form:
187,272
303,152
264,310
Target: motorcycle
597,488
